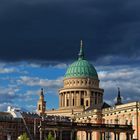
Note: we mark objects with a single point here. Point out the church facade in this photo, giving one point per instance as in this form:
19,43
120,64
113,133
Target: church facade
81,98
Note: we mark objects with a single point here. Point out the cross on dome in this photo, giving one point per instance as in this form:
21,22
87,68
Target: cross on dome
81,53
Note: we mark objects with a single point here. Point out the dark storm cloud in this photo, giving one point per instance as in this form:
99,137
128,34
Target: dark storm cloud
51,30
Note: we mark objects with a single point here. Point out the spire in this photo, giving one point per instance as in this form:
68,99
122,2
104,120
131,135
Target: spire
81,53
42,92
119,99
119,96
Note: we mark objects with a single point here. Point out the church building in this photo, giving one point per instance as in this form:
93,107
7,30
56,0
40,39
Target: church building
81,98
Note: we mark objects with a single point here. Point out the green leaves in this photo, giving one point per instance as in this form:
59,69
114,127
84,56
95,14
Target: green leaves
50,137
23,137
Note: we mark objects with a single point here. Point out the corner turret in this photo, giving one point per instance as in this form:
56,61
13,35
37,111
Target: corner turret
41,106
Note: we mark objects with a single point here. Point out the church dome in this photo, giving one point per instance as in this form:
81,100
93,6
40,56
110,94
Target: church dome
81,68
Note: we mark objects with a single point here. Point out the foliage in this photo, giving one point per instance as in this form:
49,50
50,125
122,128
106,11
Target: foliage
23,137
50,137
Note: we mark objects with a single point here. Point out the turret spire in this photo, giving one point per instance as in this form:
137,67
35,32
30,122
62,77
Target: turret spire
81,53
42,92
119,99
119,96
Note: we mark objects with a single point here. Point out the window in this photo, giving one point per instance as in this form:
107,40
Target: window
95,98
82,93
39,107
86,102
82,101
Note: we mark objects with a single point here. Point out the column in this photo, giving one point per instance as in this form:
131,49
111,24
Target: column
94,97
77,100
118,136
102,97
73,135
127,136
60,135
35,127
101,137
76,104
115,136
90,135
87,135
97,98
62,102
70,99
55,134
98,95
65,99
77,96
131,136
59,99
72,96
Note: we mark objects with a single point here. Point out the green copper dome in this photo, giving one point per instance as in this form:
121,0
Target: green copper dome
81,68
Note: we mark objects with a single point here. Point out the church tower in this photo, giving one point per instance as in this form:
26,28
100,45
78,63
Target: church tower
41,105
81,86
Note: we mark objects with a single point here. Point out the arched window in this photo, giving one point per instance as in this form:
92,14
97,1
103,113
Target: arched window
82,101
73,102
39,107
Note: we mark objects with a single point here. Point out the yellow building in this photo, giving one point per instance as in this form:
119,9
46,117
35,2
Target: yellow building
81,98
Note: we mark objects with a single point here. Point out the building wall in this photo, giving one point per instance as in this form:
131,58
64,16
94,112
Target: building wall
128,113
